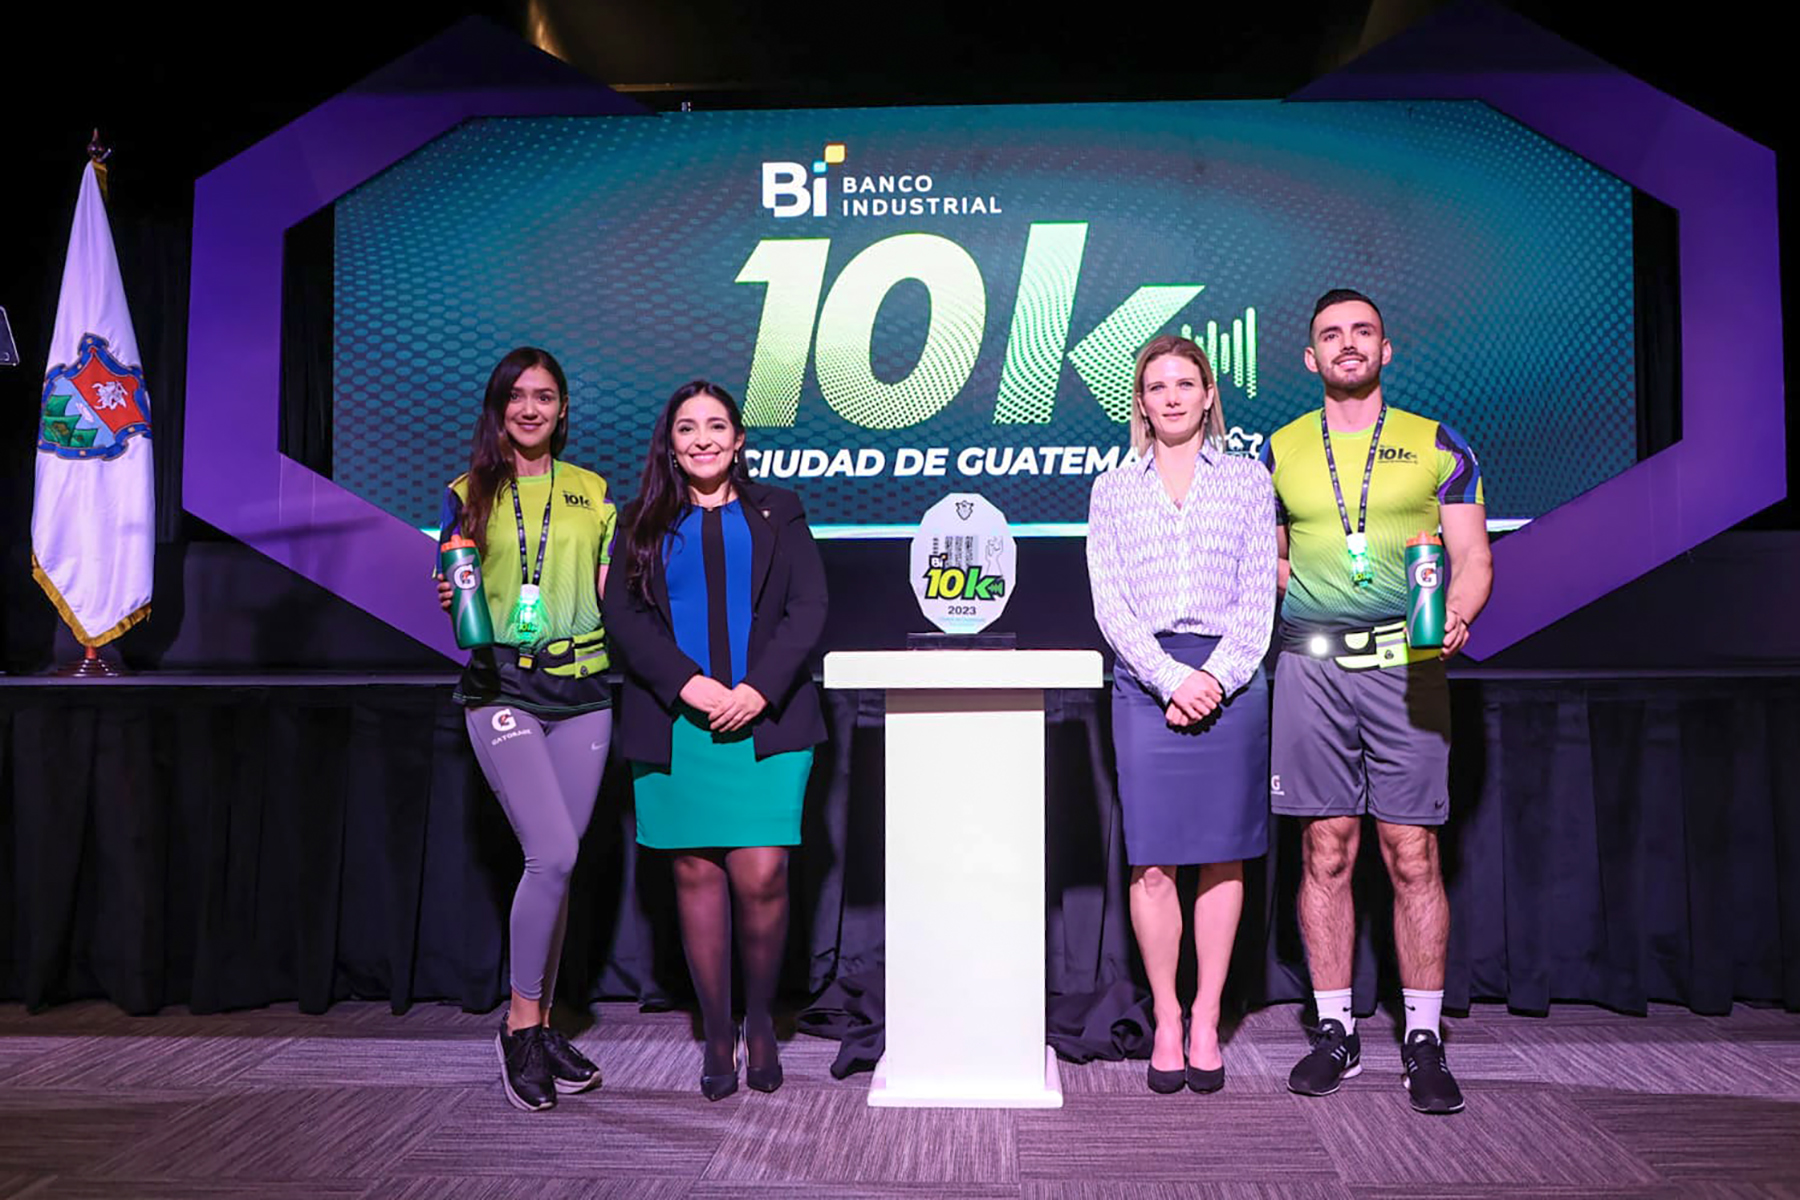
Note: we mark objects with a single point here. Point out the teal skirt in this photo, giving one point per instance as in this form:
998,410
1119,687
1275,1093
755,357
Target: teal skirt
714,792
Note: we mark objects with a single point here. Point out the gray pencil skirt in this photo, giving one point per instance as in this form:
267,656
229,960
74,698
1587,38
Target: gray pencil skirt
1198,794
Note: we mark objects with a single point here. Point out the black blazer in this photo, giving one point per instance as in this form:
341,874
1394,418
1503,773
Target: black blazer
787,615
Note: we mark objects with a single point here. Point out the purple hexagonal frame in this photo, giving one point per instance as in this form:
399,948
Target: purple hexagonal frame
1729,464
1731,461
235,476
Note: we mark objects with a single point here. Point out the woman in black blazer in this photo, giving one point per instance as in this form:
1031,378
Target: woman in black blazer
714,613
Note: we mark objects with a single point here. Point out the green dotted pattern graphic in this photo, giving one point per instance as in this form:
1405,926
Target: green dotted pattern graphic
1107,357
952,340
1040,327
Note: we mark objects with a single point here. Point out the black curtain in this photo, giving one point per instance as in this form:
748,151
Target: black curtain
1612,841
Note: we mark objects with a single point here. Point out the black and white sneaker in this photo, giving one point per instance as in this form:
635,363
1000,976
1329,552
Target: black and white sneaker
572,1070
525,1068
1335,1056
1429,1083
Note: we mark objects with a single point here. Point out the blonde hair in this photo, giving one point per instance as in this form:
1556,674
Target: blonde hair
1180,347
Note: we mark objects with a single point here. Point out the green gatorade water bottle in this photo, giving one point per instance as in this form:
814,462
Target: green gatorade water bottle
460,561
1424,592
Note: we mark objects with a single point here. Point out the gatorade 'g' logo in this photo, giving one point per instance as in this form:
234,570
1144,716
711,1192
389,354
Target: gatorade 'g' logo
465,578
1425,576
504,721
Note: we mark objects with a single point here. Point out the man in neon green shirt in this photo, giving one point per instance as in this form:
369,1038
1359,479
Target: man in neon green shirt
1361,721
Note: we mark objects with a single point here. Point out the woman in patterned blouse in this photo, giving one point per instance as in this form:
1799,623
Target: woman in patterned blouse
1181,556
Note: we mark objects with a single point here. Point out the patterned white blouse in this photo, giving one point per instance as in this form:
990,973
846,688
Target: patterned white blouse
1206,566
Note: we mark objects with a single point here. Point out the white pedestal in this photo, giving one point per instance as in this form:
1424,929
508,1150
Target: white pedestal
965,871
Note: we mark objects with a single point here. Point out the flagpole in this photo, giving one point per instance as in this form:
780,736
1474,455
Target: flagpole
91,666
98,154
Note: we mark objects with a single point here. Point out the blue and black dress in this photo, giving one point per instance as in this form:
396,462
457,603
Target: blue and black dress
715,792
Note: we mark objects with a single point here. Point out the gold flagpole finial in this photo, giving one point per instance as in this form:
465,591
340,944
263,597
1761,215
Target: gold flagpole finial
98,154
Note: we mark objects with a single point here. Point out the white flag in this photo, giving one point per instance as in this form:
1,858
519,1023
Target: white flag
94,518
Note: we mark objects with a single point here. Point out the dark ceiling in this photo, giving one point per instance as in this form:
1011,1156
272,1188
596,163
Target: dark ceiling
176,96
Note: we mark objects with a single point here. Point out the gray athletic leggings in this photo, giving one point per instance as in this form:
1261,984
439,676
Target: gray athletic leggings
546,772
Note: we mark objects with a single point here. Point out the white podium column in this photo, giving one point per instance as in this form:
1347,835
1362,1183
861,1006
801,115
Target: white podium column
965,871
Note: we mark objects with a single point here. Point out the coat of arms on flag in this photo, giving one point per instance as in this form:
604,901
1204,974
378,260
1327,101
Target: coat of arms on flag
94,406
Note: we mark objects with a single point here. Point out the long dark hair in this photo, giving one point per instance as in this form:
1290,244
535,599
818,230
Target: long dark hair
491,457
662,498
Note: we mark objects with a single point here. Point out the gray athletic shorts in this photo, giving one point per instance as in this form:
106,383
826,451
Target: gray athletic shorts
1343,743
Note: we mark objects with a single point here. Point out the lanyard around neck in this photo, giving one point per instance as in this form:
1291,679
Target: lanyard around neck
537,573
1362,509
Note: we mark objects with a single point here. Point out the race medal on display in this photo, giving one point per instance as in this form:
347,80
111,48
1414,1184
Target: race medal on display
1362,572
527,619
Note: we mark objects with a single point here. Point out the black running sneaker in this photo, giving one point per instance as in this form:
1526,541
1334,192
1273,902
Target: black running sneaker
1335,1056
1429,1083
572,1070
525,1068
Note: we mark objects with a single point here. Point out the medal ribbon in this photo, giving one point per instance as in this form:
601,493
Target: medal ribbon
526,613
537,573
1358,561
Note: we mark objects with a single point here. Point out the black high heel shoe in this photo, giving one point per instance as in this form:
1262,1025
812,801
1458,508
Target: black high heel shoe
1166,1083
717,1087
1205,1081
763,1079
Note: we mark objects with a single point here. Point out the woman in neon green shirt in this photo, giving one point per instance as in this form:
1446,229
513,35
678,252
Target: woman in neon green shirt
536,703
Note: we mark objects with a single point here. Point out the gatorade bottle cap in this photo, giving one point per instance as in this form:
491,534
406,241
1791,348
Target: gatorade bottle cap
458,542
1424,539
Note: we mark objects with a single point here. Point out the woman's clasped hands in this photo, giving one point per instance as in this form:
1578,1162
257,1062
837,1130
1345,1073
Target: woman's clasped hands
726,708
1196,698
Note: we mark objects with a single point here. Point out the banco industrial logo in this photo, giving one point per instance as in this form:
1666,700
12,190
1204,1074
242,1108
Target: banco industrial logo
792,189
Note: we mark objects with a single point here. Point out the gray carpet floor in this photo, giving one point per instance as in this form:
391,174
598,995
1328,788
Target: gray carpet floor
363,1104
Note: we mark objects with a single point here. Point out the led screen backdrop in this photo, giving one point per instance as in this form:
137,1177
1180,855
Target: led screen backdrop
916,301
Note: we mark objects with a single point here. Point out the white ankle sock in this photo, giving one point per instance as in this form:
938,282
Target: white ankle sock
1423,1010
1335,1006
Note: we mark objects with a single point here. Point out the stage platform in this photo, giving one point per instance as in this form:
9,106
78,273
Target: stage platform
226,842
275,1104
